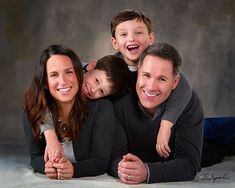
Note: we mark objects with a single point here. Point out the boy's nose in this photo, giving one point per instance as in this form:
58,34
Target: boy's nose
131,37
94,89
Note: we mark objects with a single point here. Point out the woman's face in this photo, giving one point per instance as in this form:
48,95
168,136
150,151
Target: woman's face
62,79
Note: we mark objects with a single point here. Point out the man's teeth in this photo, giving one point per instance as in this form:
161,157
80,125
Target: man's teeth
150,95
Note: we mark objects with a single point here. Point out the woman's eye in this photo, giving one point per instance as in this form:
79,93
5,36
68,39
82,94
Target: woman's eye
52,75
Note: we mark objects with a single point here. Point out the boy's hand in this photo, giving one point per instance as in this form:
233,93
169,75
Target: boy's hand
54,150
163,137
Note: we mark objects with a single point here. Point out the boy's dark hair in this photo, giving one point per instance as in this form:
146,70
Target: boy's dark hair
117,71
165,51
130,14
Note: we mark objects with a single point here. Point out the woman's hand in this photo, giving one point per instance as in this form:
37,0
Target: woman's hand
64,169
50,171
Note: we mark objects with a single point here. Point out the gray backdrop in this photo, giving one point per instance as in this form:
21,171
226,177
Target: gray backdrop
202,30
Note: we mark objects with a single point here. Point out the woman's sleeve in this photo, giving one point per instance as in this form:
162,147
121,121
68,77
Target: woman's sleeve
178,100
36,149
101,143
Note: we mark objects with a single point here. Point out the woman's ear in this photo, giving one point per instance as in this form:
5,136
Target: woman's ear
91,65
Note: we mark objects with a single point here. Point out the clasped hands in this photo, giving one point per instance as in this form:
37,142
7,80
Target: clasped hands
132,170
57,166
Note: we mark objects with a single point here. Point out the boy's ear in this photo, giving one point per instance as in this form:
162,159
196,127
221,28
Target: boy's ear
151,38
91,65
114,43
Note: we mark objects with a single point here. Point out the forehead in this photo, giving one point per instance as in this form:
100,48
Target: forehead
135,23
59,61
156,66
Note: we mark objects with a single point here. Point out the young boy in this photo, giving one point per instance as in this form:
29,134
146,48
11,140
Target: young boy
131,34
108,76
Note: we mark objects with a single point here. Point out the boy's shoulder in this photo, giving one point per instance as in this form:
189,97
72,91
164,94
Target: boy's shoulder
119,54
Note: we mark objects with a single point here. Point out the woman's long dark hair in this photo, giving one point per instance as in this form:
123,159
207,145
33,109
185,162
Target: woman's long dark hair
38,100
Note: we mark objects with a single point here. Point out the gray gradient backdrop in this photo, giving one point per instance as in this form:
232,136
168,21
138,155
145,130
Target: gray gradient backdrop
202,30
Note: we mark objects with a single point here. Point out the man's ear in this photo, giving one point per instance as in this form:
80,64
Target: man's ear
114,43
91,65
176,81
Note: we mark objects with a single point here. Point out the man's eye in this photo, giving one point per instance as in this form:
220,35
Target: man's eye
162,79
123,34
146,75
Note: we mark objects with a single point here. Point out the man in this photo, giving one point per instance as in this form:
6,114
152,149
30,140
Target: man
140,112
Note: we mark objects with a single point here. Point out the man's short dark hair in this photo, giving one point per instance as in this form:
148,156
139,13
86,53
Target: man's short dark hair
164,51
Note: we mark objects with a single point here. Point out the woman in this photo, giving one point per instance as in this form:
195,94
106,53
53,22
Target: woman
86,136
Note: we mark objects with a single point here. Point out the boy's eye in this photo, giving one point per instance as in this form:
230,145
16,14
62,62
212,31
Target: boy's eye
123,34
101,92
96,80
139,32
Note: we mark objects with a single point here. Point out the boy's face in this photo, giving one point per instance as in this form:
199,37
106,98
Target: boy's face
96,84
155,82
131,39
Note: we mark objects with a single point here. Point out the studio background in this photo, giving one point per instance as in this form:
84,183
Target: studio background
203,31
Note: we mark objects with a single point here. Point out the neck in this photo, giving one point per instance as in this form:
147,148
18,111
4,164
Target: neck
131,63
64,110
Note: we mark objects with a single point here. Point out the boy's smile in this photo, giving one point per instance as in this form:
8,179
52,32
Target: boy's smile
131,39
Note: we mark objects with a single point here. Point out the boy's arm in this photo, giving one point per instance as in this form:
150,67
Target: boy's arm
53,150
178,100
174,107
163,137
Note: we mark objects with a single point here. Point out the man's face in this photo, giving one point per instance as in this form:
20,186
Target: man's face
96,84
155,82
131,39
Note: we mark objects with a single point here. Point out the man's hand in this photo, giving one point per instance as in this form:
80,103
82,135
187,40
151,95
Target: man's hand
132,170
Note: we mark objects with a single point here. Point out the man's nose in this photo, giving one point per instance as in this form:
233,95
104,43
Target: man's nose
152,84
